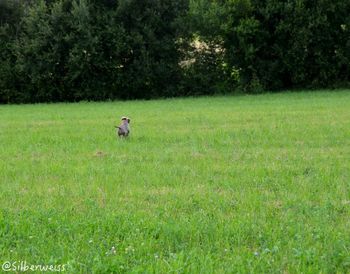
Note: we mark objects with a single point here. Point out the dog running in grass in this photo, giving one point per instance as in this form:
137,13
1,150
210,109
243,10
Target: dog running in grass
123,130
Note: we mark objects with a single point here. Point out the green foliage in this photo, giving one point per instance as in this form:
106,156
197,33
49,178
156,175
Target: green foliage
150,68
10,16
278,44
71,50
86,50
289,44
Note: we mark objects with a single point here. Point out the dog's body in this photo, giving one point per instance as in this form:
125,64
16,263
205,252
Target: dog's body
123,130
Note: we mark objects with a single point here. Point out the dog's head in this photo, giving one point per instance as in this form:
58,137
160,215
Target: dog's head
126,119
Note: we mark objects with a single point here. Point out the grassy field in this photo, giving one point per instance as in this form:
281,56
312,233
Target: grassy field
244,184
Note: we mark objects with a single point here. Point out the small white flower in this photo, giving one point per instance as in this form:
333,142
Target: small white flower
129,249
112,251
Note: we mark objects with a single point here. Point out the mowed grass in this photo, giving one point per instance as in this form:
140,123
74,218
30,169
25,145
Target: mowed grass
243,184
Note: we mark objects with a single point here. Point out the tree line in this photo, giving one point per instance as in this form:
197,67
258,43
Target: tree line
71,50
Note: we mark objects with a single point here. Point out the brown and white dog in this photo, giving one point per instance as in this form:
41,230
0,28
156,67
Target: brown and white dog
123,130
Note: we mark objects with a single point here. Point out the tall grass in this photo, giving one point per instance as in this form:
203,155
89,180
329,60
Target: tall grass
248,184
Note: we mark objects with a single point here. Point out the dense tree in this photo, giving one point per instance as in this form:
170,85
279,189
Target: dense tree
95,50
69,50
11,12
285,44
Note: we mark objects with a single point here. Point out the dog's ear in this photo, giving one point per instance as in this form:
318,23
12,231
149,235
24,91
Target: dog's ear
129,120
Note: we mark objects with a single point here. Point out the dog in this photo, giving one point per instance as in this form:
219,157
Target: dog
123,130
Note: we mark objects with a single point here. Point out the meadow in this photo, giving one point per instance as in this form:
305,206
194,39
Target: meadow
230,184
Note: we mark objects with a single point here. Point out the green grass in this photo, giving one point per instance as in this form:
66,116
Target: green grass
247,184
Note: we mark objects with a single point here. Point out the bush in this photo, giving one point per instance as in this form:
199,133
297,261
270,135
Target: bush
71,50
